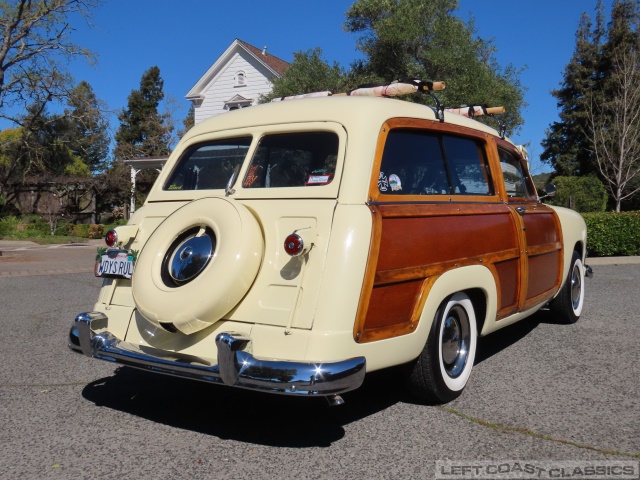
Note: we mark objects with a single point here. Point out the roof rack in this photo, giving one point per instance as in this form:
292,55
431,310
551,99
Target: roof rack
393,89
406,87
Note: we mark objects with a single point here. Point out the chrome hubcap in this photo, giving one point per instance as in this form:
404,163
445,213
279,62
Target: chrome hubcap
190,257
576,287
456,337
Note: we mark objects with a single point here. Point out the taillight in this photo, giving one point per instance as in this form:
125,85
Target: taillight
294,245
111,238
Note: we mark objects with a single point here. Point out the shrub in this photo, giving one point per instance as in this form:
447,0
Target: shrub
81,230
613,233
582,194
88,231
96,231
8,226
65,229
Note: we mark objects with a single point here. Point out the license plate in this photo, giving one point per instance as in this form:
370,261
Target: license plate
115,263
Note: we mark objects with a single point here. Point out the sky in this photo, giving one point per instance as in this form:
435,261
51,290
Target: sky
185,38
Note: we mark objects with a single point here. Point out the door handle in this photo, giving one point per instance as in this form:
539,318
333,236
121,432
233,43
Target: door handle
521,211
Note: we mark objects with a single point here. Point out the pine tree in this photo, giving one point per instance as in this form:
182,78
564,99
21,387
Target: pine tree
188,122
566,148
143,131
87,129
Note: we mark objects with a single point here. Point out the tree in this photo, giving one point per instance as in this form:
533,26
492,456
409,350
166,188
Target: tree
424,40
188,122
35,47
43,146
11,155
309,73
143,131
566,147
614,127
85,128
599,128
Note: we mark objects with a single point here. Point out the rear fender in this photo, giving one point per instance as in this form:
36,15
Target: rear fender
382,354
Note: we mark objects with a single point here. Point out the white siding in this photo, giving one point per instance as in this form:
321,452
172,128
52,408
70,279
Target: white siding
223,86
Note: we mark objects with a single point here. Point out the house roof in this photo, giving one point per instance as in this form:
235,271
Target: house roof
276,64
272,63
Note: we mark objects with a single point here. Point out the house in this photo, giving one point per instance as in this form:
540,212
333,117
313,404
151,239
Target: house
236,79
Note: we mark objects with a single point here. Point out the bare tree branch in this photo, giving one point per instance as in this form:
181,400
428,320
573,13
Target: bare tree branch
614,125
34,39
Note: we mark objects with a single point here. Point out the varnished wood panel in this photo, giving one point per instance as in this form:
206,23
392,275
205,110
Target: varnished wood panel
416,238
508,275
541,227
391,309
414,241
543,271
544,253
413,244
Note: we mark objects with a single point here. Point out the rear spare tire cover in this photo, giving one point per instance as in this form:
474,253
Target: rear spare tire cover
198,264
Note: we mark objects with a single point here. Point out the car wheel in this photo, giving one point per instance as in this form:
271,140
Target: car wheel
567,306
443,368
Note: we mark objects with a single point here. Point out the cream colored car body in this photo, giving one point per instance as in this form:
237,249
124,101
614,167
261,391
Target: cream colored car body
302,308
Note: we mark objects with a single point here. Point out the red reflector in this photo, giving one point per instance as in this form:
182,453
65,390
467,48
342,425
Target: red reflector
294,245
111,238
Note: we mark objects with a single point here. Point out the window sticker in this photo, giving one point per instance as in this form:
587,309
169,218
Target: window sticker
251,176
318,179
383,183
395,183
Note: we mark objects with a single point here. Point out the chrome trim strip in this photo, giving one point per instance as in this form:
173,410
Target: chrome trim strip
234,367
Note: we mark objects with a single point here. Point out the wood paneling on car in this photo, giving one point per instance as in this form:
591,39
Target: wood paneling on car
416,238
414,244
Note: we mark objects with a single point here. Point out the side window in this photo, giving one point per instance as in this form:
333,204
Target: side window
412,164
293,160
468,166
516,180
421,163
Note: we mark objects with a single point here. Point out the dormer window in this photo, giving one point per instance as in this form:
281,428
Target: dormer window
241,79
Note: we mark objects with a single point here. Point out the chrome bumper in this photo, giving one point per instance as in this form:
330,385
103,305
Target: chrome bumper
234,367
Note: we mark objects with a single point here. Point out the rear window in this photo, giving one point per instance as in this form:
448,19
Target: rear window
209,165
304,159
421,163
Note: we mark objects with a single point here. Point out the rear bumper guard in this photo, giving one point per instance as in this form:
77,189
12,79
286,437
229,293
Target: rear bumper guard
235,367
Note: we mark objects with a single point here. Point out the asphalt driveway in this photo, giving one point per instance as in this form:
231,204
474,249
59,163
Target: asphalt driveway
539,392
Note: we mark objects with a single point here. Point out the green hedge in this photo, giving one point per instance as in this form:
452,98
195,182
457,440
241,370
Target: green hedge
613,234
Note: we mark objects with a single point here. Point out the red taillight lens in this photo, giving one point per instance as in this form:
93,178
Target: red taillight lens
294,245
111,238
